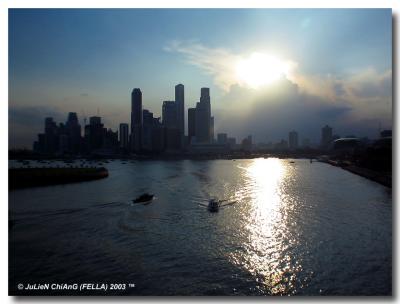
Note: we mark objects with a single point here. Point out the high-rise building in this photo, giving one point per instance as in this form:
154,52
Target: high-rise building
191,124
203,117
73,132
124,135
293,140
212,139
147,130
326,136
136,120
169,117
94,134
170,123
180,110
50,136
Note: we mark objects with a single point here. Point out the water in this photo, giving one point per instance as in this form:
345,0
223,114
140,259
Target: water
296,229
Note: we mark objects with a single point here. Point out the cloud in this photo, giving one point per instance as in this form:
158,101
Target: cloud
355,101
218,62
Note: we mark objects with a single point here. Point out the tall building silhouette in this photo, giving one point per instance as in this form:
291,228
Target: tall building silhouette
136,120
170,123
191,124
94,134
326,136
212,138
180,110
293,140
203,117
73,133
124,135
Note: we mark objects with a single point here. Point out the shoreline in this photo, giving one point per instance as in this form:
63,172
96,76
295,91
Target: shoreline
382,178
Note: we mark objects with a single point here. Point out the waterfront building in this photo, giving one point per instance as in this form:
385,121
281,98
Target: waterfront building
326,136
73,133
180,111
203,117
124,135
170,123
94,134
136,120
212,138
191,124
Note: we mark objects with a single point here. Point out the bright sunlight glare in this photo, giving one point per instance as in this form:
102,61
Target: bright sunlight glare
261,69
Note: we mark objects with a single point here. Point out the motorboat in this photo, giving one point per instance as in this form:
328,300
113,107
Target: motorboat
144,198
213,205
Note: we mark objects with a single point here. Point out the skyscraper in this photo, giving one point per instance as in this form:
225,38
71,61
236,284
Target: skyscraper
326,136
180,110
94,134
123,135
203,117
212,139
293,140
73,130
136,120
170,123
191,124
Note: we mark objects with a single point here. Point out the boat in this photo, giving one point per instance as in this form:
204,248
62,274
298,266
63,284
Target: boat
213,205
145,197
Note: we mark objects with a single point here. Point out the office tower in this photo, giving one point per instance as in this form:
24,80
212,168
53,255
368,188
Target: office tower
50,136
170,123
326,136
169,117
147,130
212,139
124,135
203,117
180,110
94,134
222,138
136,120
157,136
110,141
191,124
73,133
293,140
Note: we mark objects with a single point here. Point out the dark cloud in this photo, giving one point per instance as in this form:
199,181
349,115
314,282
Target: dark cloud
270,114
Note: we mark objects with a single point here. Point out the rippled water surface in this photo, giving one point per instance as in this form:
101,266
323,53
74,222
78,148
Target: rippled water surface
297,229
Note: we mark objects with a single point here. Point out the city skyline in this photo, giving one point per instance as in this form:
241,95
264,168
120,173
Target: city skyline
314,77
165,134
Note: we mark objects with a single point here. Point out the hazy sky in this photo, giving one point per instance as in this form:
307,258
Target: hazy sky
338,67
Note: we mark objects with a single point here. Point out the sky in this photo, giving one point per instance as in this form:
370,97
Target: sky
269,71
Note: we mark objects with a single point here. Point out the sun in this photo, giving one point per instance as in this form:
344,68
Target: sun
260,69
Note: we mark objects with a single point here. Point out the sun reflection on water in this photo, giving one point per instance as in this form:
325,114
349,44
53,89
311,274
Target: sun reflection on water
268,241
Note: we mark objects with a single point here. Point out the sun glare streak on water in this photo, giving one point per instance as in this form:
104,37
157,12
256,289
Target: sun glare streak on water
266,256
